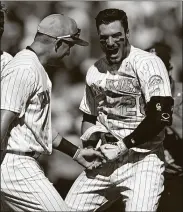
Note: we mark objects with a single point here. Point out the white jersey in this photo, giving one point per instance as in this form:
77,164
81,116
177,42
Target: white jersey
5,58
26,90
140,76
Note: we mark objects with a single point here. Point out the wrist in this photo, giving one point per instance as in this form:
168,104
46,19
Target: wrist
67,147
123,148
129,141
75,156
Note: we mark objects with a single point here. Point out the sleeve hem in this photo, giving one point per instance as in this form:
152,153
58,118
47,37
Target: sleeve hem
10,109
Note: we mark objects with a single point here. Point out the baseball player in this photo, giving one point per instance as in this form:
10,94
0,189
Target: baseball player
173,144
126,105
26,130
5,57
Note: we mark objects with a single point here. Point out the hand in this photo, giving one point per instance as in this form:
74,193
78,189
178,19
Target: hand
89,158
113,151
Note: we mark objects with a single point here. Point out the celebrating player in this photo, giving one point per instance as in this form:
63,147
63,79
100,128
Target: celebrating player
126,105
26,130
5,57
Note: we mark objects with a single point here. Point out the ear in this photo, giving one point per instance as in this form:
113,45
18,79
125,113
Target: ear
127,34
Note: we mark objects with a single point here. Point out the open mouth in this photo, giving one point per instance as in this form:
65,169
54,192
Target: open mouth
112,51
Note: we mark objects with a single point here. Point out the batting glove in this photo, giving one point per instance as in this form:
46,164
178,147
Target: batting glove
113,151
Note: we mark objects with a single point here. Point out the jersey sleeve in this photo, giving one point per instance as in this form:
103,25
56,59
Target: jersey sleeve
154,79
16,87
5,58
88,102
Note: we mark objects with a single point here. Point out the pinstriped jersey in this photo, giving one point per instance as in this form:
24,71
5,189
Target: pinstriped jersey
26,90
5,58
126,92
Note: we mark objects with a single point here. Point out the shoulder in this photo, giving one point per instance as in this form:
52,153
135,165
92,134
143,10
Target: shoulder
24,60
96,71
21,64
102,65
5,59
97,67
6,56
139,57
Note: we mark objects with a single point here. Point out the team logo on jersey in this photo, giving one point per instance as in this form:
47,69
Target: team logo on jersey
155,80
130,85
44,98
158,107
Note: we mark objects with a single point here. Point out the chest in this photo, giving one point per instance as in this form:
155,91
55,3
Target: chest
122,80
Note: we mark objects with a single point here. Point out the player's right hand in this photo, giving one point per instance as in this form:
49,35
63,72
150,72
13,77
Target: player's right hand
90,158
113,151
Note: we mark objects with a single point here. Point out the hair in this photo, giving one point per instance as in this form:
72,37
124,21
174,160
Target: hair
110,15
42,38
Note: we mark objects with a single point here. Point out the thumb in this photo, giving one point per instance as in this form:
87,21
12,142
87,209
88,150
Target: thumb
88,165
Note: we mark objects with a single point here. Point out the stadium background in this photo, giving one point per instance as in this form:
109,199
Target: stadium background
149,22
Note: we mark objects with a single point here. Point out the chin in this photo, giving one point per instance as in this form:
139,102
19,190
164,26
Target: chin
115,60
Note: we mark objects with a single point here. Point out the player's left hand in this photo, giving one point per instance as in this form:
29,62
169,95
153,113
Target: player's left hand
90,158
113,151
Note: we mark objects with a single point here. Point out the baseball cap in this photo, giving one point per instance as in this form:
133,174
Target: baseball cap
63,27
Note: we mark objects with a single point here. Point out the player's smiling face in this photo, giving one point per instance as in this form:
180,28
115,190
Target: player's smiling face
113,40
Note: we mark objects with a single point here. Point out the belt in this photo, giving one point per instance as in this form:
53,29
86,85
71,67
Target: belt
108,138
32,154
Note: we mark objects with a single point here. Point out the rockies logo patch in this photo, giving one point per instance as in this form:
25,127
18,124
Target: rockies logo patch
155,80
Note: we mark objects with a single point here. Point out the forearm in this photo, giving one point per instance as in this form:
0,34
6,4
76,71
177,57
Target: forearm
4,130
6,119
63,145
85,125
88,122
145,131
158,115
84,157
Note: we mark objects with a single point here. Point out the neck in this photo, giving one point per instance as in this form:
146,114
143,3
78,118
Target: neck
41,53
128,48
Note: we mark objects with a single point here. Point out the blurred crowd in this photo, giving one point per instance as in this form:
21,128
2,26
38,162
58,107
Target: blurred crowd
149,22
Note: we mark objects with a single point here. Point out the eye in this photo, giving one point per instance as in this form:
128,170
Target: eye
117,35
103,38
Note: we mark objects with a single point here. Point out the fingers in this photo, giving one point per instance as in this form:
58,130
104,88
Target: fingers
98,154
96,164
92,153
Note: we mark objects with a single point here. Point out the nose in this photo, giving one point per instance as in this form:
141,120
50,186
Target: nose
110,41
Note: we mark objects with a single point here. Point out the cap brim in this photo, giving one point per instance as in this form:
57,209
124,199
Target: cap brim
77,41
